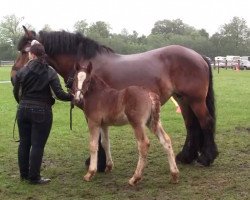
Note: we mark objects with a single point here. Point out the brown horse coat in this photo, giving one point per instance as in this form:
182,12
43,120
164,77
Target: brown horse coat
104,106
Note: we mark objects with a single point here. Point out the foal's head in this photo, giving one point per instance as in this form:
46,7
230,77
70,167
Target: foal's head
82,81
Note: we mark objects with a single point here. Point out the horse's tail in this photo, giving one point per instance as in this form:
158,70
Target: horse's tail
210,101
155,111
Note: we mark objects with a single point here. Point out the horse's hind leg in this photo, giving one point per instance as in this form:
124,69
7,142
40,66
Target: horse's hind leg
209,148
106,145
194,138
166,143
143,146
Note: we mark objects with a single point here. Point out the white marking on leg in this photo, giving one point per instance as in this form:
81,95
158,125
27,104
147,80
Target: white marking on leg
143,146
93,148
166,143
106,146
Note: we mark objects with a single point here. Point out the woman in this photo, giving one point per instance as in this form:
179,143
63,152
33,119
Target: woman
33,89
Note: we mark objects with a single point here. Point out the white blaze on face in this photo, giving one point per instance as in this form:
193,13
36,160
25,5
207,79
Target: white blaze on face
81,76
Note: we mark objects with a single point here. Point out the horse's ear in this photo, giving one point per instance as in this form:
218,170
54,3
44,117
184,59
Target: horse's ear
26,31
29,34
89,67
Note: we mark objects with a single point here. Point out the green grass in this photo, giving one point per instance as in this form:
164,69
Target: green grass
228,178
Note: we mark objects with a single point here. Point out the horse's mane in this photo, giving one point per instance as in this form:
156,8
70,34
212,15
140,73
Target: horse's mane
62,42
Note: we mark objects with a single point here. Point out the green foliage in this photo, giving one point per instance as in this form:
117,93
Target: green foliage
65,152
233,38
81,27
99,29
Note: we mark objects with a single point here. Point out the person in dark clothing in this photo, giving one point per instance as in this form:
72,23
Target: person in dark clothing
34,87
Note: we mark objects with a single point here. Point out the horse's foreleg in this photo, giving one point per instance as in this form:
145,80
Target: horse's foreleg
93,148
167,145
143,146
106,145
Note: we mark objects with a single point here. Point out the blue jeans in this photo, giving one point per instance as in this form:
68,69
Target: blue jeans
34,124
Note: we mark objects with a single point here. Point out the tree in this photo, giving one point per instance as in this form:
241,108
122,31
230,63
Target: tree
203,33
171,26
10,33
233,38
99,29
236,31
81,27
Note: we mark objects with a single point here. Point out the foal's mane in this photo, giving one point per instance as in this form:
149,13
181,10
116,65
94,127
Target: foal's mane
63,42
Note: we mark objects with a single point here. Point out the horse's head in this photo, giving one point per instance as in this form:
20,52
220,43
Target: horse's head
81,81
23,47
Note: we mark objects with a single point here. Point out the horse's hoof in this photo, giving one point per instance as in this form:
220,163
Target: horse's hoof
174,178
204,160
86,178
108,168
184,158
133,181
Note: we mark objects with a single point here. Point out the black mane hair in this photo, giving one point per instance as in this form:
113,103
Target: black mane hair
62,42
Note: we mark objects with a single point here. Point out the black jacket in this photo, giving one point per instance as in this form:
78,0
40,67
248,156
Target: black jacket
38,82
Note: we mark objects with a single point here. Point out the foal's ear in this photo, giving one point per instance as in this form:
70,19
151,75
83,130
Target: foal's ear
89,68
77,66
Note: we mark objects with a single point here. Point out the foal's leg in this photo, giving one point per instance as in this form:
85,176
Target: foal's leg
166,143
106,145
143,146
93,148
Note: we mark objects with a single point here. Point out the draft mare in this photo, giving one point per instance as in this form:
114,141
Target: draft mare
168,71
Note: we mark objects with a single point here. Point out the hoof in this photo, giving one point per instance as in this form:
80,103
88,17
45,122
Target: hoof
108,168
133,181
174,178
204,160
87,177
185,158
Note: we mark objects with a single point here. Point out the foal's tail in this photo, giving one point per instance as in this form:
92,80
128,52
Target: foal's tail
155,111
210,101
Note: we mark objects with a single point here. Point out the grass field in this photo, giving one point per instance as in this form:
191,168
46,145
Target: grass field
228,178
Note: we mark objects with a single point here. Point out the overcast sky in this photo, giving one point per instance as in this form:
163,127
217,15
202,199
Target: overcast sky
138,15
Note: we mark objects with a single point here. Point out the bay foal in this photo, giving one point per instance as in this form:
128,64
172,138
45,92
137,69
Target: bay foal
104,106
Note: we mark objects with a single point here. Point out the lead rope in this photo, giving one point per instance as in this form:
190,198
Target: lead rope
13,132
70,114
